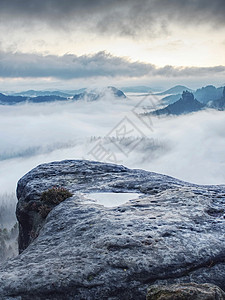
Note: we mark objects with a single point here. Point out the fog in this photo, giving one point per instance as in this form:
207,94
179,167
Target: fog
189,147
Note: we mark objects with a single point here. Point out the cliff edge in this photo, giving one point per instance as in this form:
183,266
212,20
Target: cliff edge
172,233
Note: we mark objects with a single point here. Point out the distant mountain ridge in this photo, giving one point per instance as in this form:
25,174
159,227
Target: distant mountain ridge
85,95
186,104
12,100
34,93
94,95
208,93
136,89
203,95
218,104
178,89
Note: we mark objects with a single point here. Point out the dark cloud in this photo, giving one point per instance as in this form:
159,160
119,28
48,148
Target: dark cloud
102,64
125,17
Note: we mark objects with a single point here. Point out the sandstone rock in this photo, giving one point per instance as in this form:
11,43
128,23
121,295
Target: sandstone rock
172,233
188,291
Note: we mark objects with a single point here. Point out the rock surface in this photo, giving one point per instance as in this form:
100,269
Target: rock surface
174,232
189,291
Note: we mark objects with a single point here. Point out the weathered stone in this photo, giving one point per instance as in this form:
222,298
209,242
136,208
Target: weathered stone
188,291
174,232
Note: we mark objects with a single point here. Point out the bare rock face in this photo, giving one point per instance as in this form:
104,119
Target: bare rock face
172,233
188,291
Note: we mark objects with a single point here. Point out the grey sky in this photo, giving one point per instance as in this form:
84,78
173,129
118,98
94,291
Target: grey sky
111,38
126,17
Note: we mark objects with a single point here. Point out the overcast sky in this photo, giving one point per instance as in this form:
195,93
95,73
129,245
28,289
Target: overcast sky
71,43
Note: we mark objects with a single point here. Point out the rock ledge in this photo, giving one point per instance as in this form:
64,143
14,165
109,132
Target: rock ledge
172,233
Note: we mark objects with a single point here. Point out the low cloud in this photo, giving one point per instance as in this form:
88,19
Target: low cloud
102,64
189,147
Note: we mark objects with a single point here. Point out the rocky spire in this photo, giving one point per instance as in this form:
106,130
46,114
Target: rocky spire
187,96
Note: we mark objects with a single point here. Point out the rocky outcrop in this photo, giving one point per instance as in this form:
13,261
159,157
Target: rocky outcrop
188,291
172,233
186,104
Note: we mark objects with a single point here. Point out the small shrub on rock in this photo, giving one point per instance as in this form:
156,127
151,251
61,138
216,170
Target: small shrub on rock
51,198
55,195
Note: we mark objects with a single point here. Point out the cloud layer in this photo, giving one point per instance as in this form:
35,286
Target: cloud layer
129,18
102,64
189,147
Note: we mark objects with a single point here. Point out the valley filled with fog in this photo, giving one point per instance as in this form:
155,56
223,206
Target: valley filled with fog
188,147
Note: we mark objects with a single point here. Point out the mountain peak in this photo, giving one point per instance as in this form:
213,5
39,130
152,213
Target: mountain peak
93,95
186,104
